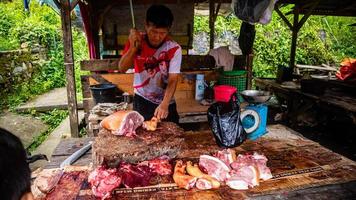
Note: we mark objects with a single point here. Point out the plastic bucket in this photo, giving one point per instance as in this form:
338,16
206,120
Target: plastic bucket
223,93
104,93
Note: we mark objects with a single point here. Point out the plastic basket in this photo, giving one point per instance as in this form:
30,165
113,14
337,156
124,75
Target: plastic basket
223,92
236,78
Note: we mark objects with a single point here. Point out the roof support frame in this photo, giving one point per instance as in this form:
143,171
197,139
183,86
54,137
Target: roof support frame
296,26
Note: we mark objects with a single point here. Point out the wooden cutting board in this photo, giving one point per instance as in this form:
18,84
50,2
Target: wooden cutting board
296,163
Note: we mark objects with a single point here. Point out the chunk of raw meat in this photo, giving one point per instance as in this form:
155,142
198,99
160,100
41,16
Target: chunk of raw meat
123,122
249,174
257,160
159,165
214,167
180,178
227,156
203,184
48,179
104,181
135,176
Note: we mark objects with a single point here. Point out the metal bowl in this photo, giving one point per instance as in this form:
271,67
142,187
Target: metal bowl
255,96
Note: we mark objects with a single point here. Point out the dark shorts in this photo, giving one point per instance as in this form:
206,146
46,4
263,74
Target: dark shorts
147,109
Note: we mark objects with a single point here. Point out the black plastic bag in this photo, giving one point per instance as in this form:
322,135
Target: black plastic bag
225,123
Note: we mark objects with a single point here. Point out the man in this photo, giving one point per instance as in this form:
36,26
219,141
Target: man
156,60
15,174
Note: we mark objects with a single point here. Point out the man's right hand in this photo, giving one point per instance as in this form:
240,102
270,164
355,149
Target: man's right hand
134,39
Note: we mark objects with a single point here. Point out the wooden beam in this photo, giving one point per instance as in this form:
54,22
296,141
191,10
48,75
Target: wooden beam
73,4
57,4
211,23
294,38
69,65
284,18
306,16
189,62
249,63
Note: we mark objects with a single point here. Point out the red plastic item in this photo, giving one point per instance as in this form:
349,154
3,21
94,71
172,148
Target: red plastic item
223,93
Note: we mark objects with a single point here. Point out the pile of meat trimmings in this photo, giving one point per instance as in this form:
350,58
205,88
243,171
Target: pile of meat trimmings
240,173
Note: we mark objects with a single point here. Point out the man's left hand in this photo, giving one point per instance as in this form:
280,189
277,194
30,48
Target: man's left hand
161,111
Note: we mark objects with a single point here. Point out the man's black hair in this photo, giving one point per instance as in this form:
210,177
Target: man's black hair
15,174
160,16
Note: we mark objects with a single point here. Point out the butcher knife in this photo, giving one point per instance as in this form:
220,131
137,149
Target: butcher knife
76,155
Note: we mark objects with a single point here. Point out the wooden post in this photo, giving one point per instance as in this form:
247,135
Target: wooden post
249,61
294,37
69,65
211,22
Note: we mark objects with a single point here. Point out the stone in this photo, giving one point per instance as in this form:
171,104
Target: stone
17,70
24,127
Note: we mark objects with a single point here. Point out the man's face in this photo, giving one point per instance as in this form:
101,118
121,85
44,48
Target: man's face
156,35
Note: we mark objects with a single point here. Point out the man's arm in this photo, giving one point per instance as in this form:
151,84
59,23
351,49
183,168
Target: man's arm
127,60
161,111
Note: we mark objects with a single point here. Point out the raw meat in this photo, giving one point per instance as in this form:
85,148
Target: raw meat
249,174
227,156
203,184
194,170
135,176
109,149
68,186
261,164
150,125
159,165
47,179
257,160
123,122
214,167
104,181
180,178
236,183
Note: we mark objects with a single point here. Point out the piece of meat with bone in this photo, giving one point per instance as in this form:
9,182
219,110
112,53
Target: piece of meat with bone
180,178
159,165
257,160
123,122
261,164
47,179
151,125
227,156
104,181
194,170
203,184
214,167
243,178
135,176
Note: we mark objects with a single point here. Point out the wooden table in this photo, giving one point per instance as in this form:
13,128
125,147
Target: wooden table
299,102
302,169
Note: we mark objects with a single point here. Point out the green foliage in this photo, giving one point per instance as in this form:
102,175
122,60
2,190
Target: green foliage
273,41
42,26
52,119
